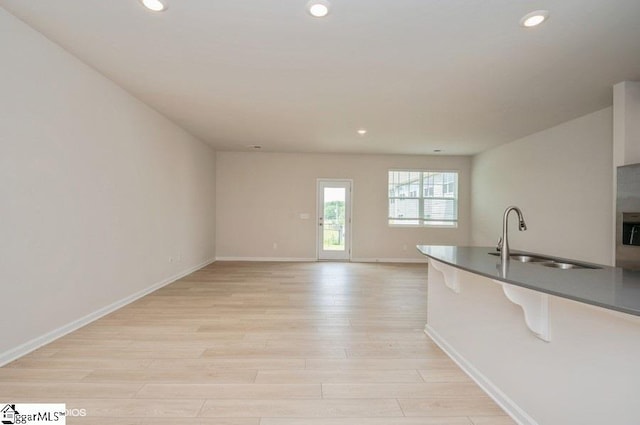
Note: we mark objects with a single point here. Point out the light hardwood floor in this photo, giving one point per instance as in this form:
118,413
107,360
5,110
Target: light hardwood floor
260,344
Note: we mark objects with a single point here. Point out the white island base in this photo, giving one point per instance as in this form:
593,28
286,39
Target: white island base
584,370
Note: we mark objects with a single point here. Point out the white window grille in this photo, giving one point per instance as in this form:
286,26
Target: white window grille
423,198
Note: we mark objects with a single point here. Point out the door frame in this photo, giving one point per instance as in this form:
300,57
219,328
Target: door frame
347,215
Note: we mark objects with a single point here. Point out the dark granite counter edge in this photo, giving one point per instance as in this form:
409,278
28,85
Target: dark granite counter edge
533,286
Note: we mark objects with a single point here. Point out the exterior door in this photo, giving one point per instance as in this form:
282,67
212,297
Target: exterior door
334,220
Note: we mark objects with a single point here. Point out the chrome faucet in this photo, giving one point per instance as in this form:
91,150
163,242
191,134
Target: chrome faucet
503,244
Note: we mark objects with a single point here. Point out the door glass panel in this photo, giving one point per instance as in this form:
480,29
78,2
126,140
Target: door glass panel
334,219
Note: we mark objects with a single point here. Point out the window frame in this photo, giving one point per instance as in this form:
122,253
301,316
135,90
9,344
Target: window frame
424,222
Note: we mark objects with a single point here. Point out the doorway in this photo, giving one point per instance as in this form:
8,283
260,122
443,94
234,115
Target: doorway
334,219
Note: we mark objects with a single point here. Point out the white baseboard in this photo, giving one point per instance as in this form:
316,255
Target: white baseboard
302,259
509,406
29,346
268,259
390,260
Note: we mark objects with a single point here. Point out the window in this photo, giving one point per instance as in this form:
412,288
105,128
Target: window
423,198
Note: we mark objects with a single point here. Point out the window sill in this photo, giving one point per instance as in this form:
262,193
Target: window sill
434,226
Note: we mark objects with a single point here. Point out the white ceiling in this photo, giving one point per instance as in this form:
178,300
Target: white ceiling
456,75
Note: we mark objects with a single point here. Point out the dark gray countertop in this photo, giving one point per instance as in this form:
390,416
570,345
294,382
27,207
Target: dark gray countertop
609,287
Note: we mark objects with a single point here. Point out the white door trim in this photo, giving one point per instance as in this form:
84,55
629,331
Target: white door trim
321,254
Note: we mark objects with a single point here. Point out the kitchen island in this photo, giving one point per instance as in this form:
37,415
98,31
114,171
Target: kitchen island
551,346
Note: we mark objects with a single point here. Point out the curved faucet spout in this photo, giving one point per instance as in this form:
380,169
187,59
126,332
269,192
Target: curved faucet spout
504,252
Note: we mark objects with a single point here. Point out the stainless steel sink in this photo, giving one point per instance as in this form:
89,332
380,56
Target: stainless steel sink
524,258
564,266
546,261
528,258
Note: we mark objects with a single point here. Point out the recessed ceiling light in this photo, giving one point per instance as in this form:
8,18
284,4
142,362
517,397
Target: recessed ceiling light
437,150
534,18
318,8
155,5
362,131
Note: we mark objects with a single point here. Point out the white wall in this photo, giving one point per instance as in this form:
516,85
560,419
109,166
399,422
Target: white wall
260,197
561,178
98,192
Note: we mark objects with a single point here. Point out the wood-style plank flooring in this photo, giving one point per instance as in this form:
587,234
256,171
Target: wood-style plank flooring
260,344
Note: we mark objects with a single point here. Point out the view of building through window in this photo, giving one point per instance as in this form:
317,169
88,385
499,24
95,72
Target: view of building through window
423,198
